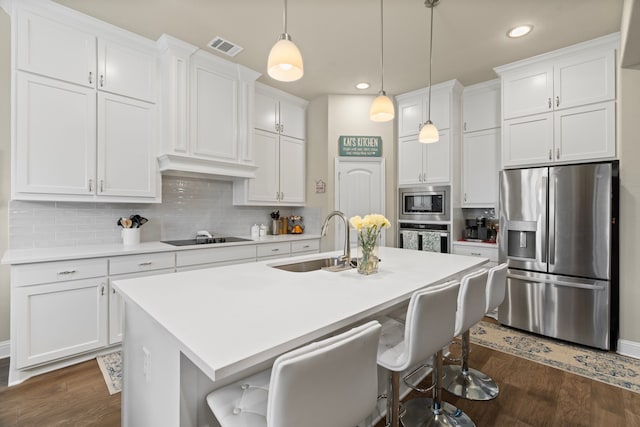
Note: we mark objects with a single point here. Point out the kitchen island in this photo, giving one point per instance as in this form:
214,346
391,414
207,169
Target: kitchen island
189,333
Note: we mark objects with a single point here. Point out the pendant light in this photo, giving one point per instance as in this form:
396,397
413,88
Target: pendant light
429,132
382,109
285,60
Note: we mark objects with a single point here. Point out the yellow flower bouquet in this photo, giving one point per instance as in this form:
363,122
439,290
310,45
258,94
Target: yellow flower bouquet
368,229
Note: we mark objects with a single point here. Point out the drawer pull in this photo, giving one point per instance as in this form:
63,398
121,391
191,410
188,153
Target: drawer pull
67,272
306,246
144,264
476,254
102,290
275,250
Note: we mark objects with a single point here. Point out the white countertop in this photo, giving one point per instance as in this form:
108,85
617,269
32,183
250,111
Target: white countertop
231,318
26,256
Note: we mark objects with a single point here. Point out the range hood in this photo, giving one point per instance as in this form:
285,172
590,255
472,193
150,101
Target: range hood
174,164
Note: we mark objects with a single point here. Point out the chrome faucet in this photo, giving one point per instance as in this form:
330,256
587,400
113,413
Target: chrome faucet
346,257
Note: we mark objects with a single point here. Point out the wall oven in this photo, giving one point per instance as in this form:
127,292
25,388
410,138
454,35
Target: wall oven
424,203
424,237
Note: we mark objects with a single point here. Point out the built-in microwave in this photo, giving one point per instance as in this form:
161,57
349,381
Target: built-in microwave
424,203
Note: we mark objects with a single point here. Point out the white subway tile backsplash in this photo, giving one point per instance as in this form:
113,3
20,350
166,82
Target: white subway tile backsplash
188,205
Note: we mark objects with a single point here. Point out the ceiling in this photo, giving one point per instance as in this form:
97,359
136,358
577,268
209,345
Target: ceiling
340,39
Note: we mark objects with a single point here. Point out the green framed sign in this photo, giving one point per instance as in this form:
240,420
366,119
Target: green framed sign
360,146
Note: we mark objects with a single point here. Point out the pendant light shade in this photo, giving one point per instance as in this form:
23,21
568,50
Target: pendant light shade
382,109
429,131
285,61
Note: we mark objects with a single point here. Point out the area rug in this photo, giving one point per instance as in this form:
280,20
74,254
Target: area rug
599,365
111,368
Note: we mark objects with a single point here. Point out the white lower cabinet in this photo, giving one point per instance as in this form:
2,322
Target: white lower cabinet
129,267
484,250
305,247
57,320
116,305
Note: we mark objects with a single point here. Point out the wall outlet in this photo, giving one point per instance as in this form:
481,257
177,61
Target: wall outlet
146,362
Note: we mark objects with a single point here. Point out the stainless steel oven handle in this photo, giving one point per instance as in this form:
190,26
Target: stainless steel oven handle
556,282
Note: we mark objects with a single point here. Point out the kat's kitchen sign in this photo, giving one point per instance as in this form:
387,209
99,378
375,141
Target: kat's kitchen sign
362,146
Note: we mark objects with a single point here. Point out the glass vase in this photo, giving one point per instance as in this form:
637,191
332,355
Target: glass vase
367,253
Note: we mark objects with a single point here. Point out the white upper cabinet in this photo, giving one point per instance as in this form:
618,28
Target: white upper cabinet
420,163
481,144
413,109
85,120
52,48
126,147
206,114
127,71
480,168
58,155
214,108
434,163
276,114
279,151
481,106
560,107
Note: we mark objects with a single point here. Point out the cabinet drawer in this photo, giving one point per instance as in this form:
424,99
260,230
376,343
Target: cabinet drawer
205,256
491,253
305,246
274,249
58,271
143,262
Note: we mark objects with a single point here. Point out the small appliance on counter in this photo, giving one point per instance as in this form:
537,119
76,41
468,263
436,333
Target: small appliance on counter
480,229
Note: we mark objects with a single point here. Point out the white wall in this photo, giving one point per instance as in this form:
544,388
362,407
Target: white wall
5,164
629,112
349,115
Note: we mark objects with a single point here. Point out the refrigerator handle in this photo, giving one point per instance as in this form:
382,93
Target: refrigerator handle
543,223
553,196
556,282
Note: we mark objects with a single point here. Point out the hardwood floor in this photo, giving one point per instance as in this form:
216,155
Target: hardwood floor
74,396
530,395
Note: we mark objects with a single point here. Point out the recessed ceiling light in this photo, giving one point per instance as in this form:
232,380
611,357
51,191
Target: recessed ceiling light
519,31
362,85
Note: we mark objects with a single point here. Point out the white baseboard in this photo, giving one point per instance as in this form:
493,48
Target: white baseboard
4,349
629,348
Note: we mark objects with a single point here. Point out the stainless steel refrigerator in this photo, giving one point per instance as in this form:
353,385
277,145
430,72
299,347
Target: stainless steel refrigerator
559,236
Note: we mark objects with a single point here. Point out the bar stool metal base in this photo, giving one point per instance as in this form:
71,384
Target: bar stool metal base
471,385
420,413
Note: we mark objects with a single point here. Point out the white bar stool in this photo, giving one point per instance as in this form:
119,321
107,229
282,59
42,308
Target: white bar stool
461,380
333,382
429,326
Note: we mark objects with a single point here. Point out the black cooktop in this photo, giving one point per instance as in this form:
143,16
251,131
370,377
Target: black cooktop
205,241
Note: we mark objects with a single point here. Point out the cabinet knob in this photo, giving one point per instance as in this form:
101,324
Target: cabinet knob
102,290
549,102
465,197
557,101
90,77
550,155
90,185
101,80
464,126
557,153
101,185
277,195
281,196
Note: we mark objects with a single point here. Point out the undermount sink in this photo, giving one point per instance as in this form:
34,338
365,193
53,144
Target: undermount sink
329,264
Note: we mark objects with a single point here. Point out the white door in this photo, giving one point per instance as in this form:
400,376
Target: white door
360,189
410,161
265,186
438,160
292,154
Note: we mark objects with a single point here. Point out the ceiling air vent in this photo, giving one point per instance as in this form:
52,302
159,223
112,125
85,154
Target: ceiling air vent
225,46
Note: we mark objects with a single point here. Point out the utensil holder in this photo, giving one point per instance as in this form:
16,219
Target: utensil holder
130,236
